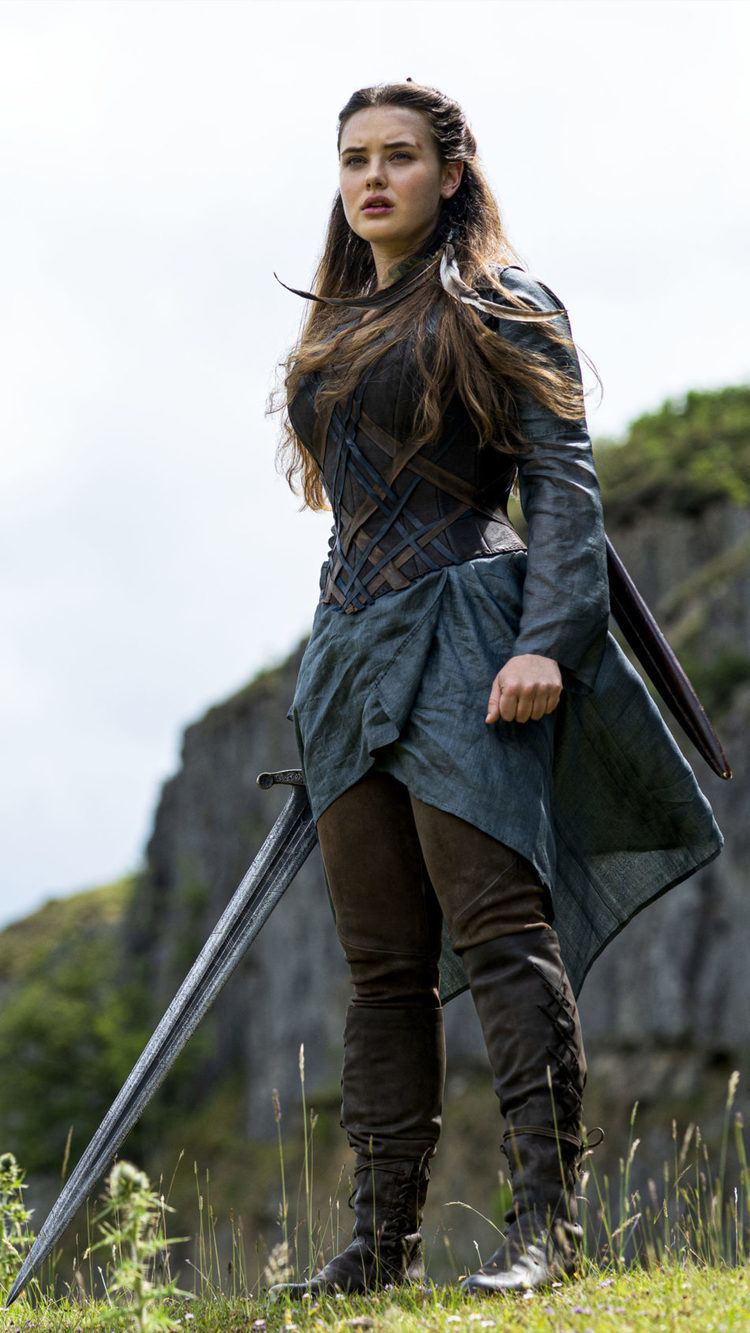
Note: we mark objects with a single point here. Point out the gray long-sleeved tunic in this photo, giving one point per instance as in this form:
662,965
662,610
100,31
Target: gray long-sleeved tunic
427,591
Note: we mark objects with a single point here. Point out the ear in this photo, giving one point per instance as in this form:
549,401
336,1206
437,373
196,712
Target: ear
452,173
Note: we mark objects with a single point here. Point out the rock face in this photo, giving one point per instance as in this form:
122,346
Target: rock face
663,1009
291,987
676,973
676,977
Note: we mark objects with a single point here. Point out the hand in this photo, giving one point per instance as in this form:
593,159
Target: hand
528,686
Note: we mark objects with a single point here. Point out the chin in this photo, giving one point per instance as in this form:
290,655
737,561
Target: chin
384,229
378,227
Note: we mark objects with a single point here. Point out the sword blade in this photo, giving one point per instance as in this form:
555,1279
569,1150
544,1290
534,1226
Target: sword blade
284,851
660,663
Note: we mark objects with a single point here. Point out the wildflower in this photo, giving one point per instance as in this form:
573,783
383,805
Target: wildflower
278,1265
16,1237
134,1239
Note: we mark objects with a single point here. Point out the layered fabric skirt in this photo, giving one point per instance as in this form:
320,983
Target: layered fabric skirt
597,794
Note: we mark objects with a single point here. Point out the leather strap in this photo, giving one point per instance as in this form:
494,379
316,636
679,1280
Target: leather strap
583,1144
360,567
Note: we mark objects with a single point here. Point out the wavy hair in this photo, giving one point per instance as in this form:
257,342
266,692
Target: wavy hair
454,349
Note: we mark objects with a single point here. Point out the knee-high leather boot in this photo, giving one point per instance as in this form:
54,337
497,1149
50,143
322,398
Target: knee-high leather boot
532,1031
392,1084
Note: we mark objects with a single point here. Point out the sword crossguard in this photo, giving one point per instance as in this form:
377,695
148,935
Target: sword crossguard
293,777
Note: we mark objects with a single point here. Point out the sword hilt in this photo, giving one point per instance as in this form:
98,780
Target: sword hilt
294,777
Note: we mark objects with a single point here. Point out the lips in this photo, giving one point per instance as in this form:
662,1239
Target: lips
377,204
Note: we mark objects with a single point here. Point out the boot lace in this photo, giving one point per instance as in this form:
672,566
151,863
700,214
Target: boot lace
564,1054
405,1200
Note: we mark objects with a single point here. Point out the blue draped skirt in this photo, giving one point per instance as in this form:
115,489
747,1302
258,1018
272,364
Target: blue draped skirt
597,794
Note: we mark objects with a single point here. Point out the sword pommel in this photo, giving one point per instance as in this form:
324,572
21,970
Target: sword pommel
294,777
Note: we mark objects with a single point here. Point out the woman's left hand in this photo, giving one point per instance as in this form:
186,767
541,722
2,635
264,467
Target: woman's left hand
528,686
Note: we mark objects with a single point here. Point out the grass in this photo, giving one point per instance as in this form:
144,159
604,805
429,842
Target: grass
671,1296
673,1257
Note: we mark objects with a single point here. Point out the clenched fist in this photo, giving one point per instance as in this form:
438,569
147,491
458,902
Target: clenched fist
528,686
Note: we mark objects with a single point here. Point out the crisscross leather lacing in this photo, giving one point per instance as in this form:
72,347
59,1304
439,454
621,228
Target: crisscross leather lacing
373,543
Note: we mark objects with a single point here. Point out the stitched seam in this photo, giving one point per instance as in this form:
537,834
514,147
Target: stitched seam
487,889
391,953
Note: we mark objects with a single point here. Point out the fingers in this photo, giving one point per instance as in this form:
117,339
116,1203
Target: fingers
531,703
546,702
493,707
524,703
521,703
542,705
525,689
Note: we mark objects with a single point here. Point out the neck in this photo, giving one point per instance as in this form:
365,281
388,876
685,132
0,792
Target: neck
390,266
393,272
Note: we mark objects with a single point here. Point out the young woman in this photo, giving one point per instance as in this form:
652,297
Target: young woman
481,759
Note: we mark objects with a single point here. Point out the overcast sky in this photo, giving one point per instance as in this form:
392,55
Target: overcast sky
158,160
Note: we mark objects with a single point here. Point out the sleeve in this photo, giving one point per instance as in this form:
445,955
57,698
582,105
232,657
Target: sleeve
565,612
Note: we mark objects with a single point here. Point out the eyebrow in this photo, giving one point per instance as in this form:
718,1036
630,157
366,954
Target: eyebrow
396,143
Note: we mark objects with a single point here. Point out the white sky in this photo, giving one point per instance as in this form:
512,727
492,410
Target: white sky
158,160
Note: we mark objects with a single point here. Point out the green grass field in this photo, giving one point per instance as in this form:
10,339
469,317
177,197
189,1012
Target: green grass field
668,1297
675,1259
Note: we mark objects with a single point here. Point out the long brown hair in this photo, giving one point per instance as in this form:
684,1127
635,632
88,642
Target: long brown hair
465,356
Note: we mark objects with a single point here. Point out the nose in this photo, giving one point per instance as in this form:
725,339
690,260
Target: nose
375,177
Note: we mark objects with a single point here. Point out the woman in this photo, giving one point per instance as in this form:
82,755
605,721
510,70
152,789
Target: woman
481,759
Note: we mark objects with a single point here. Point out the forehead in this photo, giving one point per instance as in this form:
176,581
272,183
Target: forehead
374,125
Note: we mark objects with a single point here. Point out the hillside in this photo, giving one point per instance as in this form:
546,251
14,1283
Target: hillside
84,980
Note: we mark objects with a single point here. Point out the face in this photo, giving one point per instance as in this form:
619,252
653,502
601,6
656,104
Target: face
389,152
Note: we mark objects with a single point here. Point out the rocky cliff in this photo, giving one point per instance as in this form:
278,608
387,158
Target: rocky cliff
663,1008
675,975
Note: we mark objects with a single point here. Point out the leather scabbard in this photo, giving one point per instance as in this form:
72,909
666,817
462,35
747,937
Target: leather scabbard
660,663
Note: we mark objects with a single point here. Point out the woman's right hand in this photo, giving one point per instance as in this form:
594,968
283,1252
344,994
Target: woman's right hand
527,687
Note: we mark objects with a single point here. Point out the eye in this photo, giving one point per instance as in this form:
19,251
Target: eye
357,157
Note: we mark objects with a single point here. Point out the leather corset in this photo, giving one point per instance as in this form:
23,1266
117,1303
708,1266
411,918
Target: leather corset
399,511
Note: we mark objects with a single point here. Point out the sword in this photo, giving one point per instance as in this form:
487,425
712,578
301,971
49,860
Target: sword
660,663
286,848
284,851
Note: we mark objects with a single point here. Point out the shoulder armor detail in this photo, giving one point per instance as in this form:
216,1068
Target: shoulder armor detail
529,287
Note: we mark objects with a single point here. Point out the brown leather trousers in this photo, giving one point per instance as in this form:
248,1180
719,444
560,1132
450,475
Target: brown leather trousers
396,867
